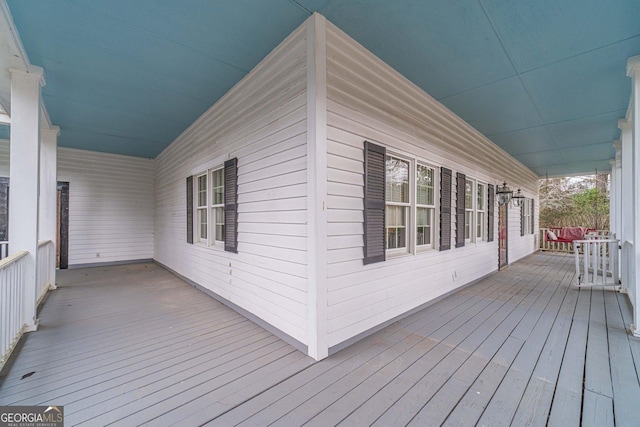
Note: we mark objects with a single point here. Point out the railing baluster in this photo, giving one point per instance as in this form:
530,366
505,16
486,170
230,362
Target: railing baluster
599,258
12,302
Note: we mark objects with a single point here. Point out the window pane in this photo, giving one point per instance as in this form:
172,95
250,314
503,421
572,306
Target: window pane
467,224
218,186
480,226
219,215
468,195
481,197
423,223
397,178
396,227
424,184
202,190
202,221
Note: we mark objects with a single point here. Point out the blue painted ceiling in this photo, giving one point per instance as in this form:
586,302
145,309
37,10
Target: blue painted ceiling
544,79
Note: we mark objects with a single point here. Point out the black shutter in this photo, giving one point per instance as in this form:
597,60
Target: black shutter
461,181
522,217
490,213
533,206
374,202
231,205
190,209
445,209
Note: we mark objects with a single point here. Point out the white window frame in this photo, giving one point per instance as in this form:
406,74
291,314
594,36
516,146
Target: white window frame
481,221
431,208
209,209
407,209
411,207
471,223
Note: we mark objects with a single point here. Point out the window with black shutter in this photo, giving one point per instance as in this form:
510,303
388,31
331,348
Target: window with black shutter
374,203
461,180
490,212
190,209
231,205
445,209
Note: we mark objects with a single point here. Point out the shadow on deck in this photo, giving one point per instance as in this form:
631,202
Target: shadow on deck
135,345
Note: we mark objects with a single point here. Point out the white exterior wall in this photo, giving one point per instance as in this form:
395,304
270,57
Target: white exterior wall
367,100
262,122
110,204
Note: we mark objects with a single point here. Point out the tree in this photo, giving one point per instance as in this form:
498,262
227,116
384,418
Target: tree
575,202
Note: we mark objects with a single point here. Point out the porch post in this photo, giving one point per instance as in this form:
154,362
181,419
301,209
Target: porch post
626,225
616,201
617,188
48,195
25,179
613,198
633,71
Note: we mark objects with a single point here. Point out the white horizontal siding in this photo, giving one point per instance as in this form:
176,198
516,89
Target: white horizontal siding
262,122
110,206
367,100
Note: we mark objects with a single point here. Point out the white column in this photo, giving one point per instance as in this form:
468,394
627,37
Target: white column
633,71
616,202
49,195
613,197
25,179
317,326
626,209
617,188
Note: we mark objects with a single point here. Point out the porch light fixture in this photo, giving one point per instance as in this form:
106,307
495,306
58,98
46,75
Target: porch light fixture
518,199
504,194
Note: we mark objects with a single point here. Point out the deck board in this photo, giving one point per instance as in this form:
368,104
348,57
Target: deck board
132,345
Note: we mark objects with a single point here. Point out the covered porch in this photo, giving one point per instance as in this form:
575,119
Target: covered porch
134,344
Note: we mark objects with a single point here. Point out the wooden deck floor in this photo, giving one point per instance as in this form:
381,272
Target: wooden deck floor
133,345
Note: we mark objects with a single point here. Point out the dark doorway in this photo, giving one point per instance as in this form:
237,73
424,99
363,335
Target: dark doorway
62,244
503,234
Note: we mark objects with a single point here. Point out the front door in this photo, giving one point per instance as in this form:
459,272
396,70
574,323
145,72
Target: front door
503,259
62,256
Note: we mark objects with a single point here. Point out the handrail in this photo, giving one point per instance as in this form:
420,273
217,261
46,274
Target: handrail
12,296
10,259
42,242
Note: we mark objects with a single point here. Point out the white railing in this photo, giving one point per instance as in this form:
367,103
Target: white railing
46,256
546,244
4,249
597,262
11,303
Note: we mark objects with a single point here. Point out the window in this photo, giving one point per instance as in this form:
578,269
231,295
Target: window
201,207
400,205
409,205
210,206
468,207
475,196
397,202
481,206
425,205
